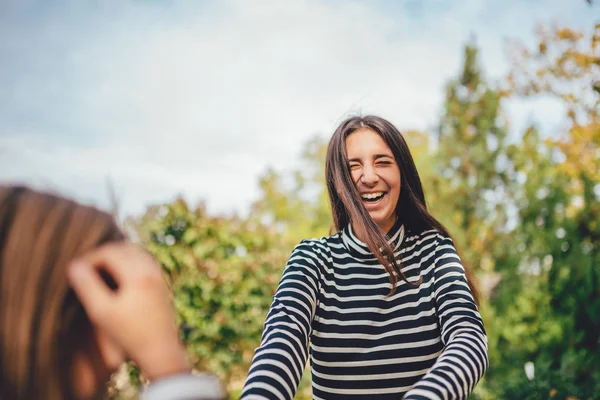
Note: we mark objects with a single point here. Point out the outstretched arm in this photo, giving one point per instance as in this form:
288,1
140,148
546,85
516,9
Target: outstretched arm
464,358
278,363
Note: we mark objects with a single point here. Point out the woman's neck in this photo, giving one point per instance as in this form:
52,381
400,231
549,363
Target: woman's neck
360,234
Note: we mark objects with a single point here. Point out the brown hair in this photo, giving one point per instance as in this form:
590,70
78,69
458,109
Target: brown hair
42,324
347,206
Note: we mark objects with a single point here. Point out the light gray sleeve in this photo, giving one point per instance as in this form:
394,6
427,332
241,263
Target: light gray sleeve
185,387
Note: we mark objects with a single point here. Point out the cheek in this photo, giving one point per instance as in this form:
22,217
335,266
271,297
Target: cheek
392,179
93,365
84,375
396,179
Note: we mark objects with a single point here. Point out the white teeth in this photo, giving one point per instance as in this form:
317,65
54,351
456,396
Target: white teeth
372,195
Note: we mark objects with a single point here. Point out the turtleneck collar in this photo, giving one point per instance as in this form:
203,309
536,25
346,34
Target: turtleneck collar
359,249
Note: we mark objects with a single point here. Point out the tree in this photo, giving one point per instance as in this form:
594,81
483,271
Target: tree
470,187
555,320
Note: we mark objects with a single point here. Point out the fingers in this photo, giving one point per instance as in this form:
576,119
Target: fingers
91,290
125,264
121,260
110,258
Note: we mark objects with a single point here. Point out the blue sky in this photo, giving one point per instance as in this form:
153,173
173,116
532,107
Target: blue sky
198,97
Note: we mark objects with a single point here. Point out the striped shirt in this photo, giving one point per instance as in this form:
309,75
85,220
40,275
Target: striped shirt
332,303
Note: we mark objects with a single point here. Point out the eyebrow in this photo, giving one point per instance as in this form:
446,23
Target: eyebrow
376,157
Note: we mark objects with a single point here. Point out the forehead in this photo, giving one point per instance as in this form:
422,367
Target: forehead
365,142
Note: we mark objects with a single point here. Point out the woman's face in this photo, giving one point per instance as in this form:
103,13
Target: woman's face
376,175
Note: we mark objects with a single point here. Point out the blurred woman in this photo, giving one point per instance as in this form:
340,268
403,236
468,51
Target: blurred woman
76,299
384,306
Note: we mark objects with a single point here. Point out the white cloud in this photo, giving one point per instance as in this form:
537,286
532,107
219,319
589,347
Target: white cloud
199,100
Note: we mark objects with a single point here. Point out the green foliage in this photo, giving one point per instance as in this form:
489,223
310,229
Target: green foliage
223,273
545,309
553,318
472,165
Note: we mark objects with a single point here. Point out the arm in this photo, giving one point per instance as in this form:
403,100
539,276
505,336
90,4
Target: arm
281,357
185,387
464,358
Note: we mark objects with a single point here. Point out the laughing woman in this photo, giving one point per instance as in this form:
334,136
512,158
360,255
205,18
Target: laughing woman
384,307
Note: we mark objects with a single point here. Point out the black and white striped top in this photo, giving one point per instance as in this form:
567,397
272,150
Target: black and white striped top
423,342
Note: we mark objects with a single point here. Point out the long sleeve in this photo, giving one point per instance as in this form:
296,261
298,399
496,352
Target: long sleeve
185,387
464,358
280,359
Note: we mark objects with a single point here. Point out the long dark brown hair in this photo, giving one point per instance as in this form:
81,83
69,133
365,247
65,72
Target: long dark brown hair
42,324
347,206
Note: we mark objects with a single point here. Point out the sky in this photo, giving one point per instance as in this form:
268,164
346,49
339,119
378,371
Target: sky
199,98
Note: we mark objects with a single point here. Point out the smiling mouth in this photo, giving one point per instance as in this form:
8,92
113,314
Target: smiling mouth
372,197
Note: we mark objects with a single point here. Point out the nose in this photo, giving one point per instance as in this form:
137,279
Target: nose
369,177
